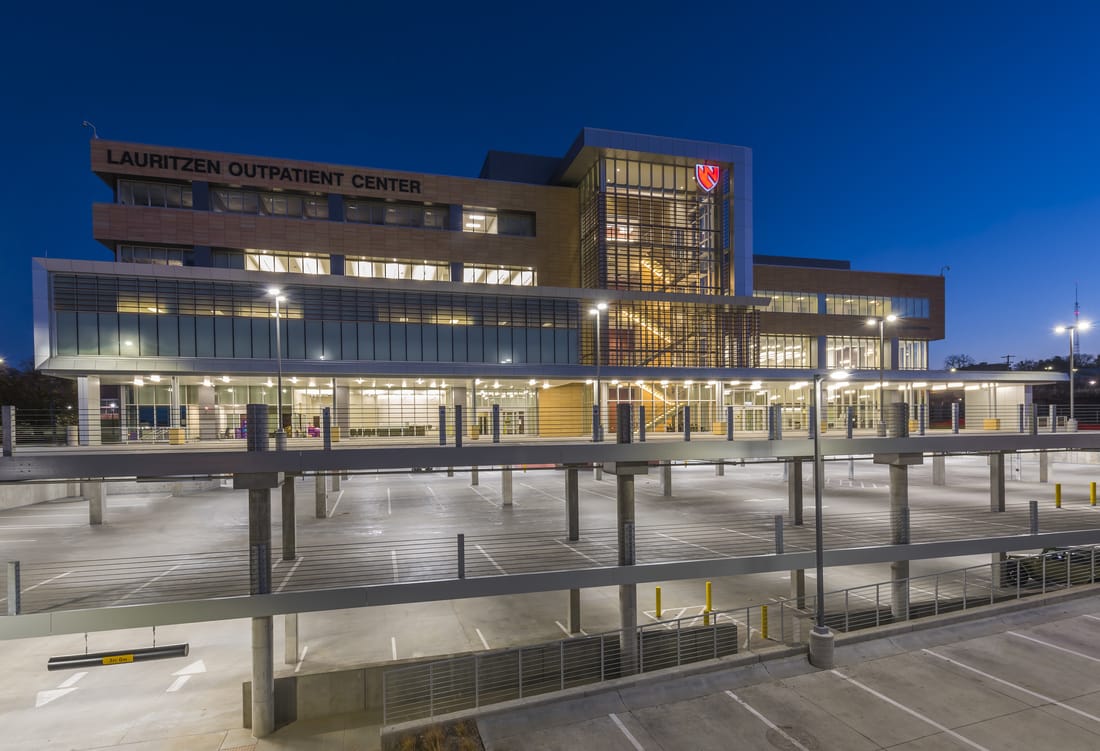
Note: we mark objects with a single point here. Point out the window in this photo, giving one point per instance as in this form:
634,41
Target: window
787,352
876,306
155,255
789,302
238,201
912,354
162,195
397,214
381,268
489,221
483,221
852,353
521,276
285,262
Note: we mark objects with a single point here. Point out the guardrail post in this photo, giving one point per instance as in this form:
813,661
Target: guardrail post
850,422
625,428
442,426
7,414
1020,420
1034,419
902,416
687,422
641,423
496,423
812,414
922,418
458,426
461,556
954,417
1057,495
1052,416
595,423
779,534
326,427
1033,516
729,423
15,593
770,413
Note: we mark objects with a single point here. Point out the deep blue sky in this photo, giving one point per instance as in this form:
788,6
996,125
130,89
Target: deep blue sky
903,137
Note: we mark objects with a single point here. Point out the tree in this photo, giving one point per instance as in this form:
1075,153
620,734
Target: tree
958,362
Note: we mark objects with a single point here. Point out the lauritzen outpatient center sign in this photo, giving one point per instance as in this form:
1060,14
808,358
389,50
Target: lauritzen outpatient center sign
260,170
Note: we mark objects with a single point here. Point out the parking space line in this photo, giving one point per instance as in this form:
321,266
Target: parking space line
146,584
36,586
393,646
338,497
692,544
566,631
72,679
301,658
177,684
286,579
540,490
482,637
486,498
1093,617
389,502
771,725
913,712
629,736
490,558
1073,652
583,555
1021,689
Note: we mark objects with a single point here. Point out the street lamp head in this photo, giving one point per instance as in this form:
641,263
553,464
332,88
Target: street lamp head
891,318
839,375
1083,326
1060,329
274,291
593,312
601,306
872,321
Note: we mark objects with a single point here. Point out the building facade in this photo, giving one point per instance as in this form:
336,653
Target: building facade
622,271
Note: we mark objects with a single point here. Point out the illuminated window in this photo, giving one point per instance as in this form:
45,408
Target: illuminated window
285,262
521,276
382,268
162,195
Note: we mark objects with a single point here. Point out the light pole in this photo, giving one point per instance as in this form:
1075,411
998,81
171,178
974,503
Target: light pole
1079,326
595,310
280,433
821,639
881,366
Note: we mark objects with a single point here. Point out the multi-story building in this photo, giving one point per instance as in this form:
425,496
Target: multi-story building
401,293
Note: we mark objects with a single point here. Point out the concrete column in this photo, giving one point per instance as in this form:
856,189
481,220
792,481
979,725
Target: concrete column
341,416
899,526
320,493
87,405
506,486
473,476
798,587
208,416
95,493
997,481
666,479
719,468
290,522
573,527
263,676
458,399
1044,466
794,491
290,626
597,472
628,593
939,469
174,415
336,483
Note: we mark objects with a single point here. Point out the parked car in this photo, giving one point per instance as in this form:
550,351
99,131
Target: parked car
1061,565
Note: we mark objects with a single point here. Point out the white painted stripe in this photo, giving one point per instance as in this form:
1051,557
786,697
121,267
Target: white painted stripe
177,684
1073,652
692,544
47,581
389,502
766,721
72,679
393,646
490,558
1093,617
286,579
482,637
429,487
393,562
583,555
629,736
338,497
1018,687
566,631
914,713
146,584
485,497
16,527
39,516
301,658
540,490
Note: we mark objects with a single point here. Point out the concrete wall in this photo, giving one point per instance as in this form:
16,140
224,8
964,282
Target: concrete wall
15,496
560,411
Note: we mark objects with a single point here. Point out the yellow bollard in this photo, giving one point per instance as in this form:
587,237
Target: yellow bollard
1057,495
658,603
706,609
764,621
1092,493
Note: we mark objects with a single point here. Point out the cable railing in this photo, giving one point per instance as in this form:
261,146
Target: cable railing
227,428
38,587
432,688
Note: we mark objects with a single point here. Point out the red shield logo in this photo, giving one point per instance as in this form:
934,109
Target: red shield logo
707,176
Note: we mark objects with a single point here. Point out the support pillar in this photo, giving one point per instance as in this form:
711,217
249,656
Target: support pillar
87,406
290,626
997,481
174,414
573,527
290,552
899,527
259,485
1044,466
320,496
666,479
628,593
795,514
597,471
719,468
336,482
506,486
473,476
939,469
208,415
96,495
